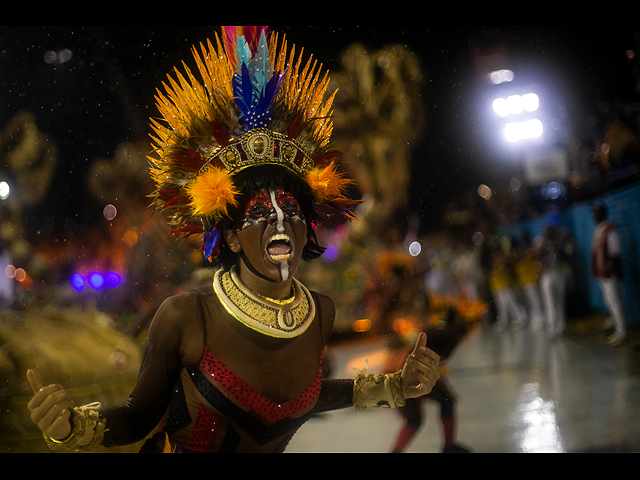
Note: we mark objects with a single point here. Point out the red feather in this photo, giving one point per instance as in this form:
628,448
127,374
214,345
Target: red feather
189,230
220,134
326,158
192,160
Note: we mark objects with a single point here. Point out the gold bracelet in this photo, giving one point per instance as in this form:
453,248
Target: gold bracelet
65,440
378,392
88,431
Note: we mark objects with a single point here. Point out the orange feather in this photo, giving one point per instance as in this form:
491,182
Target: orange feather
212,192
326,182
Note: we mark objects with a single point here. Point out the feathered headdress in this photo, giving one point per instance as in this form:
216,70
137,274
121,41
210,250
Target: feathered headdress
254,105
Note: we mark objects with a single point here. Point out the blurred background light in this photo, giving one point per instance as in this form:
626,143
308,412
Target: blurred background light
10,271
5,190
112,279
553,190
531,102
478,238
96,280
516,104
515,131
62,56
110,212
361,326
485,192
414,249
501,107
498,77
330,254
20,275
78,282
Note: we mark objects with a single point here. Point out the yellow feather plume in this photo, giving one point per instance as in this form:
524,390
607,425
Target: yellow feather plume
212,192
326,182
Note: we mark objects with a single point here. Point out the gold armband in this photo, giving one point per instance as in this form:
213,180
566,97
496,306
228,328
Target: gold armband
87,434
378,392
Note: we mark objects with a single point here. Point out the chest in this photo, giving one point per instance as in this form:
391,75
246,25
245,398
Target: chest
278,369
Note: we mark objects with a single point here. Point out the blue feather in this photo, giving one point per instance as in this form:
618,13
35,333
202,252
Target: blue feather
211,240
254,85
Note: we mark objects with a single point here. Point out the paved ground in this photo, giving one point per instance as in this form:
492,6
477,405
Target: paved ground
519,392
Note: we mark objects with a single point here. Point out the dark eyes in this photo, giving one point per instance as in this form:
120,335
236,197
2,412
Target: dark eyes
259,210
290,209
289,204
260,206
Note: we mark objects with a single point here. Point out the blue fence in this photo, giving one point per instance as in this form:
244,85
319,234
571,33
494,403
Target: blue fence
624,210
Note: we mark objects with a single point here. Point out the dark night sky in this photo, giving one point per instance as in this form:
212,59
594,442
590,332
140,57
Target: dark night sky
79,104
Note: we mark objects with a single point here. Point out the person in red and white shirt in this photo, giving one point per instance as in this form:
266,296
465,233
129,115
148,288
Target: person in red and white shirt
606,265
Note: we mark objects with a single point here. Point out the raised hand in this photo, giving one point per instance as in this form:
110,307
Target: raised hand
50,408
421,370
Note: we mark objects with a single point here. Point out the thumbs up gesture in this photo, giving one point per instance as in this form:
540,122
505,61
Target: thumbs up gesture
421,370
50,408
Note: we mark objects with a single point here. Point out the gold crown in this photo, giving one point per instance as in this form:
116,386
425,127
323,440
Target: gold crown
264,147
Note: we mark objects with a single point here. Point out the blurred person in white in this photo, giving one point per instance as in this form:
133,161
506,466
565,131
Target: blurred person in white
606,266
550,253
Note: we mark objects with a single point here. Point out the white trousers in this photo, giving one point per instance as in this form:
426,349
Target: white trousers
552,286
612,293
507,308
532,294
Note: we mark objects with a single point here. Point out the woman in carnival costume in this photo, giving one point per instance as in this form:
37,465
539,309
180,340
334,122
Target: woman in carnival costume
243,159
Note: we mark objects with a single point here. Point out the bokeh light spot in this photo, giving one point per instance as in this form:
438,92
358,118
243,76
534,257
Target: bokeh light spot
110,212
330,254
96,280
78,282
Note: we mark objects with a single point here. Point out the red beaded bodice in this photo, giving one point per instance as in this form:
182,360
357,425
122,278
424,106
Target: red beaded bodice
237,417
252,400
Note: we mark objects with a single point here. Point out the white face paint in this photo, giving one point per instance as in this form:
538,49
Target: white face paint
279,212
284,266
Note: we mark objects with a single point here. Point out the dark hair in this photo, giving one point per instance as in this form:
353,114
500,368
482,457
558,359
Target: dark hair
599,210
253,179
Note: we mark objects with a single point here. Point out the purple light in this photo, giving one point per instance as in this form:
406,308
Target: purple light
112,279
96,281
330,254
77,282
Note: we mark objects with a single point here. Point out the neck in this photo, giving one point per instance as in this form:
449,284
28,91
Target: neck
278,290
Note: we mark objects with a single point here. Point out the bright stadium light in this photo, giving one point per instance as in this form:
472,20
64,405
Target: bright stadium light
501,107
514,131
498,77
530,102
516,104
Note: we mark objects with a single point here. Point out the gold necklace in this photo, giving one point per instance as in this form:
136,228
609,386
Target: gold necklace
287,318
286,301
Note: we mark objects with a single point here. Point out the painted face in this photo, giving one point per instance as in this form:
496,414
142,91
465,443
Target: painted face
273,234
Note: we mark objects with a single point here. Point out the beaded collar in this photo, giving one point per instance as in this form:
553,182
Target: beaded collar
273,318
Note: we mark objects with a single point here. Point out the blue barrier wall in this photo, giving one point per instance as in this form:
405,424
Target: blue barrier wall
624,210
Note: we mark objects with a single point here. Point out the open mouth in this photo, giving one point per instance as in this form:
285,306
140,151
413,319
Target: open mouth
279,248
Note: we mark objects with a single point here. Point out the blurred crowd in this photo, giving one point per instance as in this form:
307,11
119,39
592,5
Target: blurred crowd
505,281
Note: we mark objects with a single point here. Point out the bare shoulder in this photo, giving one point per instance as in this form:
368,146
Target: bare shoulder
327,311
174,310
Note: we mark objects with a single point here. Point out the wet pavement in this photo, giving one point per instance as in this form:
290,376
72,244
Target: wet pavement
519,392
